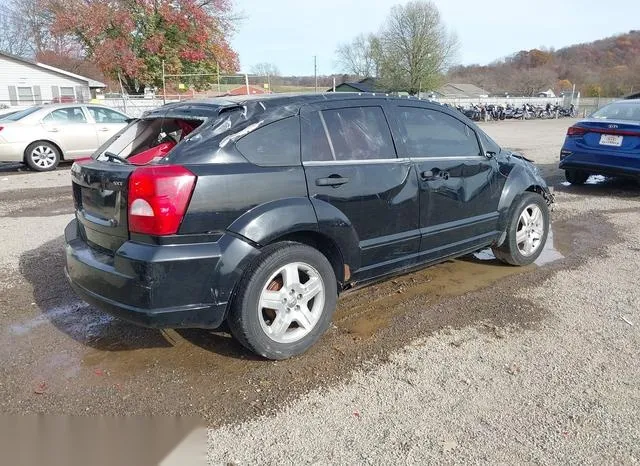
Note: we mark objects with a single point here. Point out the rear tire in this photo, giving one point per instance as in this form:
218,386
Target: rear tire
576,177
527,231
285,301
42,156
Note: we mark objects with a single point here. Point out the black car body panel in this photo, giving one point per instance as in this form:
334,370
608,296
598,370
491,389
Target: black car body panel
385,212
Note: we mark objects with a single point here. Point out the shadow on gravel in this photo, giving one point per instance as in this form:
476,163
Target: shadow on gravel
43,268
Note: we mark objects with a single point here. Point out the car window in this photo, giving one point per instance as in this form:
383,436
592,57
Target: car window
356,133
429,133
21,114
275,144
489,144
619,111
105,115
66,115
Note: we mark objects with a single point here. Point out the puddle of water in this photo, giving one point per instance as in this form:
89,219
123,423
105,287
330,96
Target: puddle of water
549,253
70,317
596,179
363,312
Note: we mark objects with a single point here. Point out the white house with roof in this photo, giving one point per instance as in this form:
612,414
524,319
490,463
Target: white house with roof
25,82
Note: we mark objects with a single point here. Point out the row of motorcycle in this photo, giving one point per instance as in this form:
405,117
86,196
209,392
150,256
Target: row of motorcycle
510,112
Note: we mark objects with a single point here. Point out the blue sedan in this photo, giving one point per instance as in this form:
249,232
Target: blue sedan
606,143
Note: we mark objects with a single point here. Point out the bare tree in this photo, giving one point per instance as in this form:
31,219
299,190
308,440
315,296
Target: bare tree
265,69
358,57
14,38
530,82
25,29
415,48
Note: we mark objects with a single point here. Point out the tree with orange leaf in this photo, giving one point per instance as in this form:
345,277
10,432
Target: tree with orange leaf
129,39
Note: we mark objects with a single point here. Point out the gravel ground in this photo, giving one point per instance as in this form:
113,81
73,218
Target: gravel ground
565,391
465,361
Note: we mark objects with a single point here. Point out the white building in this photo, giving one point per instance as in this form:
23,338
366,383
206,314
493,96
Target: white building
24,82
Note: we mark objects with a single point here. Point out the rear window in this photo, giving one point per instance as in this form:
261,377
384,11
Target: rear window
21,114
275,144
354,133
148,139
619,111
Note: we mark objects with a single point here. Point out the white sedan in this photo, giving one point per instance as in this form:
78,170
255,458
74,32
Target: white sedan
42,135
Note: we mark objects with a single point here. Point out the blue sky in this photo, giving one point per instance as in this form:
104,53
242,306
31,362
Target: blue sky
289,32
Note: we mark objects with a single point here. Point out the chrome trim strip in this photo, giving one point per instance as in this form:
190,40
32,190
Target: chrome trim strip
320,163
454,157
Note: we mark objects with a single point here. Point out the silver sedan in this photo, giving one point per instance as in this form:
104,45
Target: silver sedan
42,135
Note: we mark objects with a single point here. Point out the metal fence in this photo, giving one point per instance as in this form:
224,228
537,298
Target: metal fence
588,105
513,101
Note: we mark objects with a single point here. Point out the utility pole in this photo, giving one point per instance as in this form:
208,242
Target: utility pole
246,82
218,66
164,87
334,84
315,70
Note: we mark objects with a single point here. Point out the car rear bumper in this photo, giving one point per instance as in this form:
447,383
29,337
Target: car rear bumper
627,165
12,151
171,286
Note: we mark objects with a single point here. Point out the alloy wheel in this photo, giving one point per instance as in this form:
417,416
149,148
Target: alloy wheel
291,302
530,230
43,156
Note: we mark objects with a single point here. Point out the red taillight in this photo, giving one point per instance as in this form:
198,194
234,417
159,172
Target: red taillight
576,131
1,128
158,198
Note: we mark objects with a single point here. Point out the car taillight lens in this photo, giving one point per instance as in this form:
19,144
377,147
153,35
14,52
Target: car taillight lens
158,198
576,131
1,128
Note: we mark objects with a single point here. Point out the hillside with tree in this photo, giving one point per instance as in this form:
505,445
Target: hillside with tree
606,67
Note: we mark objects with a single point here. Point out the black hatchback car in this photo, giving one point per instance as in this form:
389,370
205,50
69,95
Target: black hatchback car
260,211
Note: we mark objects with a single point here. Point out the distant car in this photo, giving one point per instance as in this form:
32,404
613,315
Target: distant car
606,143
42,135
264,208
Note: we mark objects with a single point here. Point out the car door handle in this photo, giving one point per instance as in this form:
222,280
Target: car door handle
104,129
333,180
429,175
53,130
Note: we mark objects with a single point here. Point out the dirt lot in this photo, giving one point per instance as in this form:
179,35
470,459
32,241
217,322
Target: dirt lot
466,361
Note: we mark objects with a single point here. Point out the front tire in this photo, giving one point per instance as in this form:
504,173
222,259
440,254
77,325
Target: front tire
527,231
576,176
42,156
284,302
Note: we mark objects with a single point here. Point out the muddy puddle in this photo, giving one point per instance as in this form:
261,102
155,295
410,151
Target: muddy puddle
93,362
363,312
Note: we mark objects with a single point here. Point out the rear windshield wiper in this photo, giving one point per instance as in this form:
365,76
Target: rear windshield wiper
113,157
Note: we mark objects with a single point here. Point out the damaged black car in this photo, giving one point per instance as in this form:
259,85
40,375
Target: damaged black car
259,211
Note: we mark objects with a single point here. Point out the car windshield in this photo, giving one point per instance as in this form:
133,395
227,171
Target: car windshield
21,114
619,111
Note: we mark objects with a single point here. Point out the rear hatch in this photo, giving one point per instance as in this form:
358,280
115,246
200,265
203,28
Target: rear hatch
100,197
611,136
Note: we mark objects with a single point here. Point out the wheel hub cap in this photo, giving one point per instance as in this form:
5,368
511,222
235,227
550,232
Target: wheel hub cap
530,230
291,302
